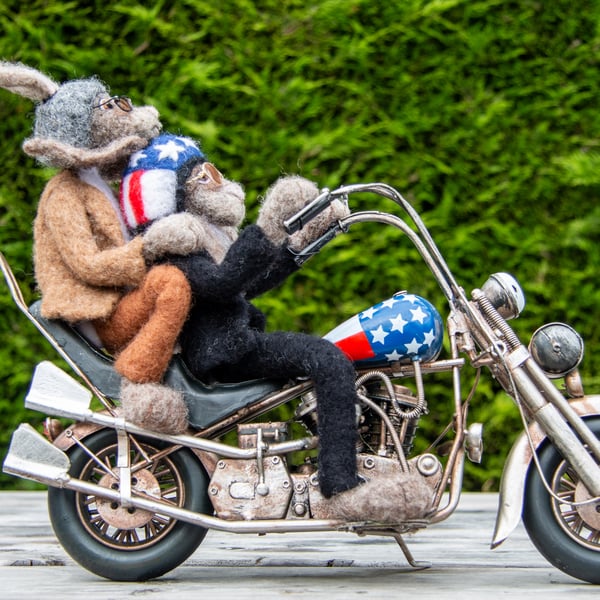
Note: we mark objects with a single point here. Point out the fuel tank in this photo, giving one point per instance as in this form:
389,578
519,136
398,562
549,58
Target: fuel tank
402,328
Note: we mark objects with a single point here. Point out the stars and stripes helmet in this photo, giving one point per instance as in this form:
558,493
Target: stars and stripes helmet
150,183
402,328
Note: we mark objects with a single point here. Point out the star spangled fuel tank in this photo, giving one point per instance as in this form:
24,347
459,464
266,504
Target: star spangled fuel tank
404,327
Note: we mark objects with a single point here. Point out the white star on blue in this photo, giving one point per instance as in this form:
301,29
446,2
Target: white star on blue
405,327
165,152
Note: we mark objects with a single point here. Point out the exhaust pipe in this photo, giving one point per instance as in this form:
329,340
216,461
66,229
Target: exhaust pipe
31,456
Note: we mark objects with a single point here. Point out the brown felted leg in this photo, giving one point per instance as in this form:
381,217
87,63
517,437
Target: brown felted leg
154,406
147,323
128,318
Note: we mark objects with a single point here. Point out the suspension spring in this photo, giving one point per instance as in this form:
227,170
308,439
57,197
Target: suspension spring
495,320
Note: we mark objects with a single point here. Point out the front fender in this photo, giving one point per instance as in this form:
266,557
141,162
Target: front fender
512,484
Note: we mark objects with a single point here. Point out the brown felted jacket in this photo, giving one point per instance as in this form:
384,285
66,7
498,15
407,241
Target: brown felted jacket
83,265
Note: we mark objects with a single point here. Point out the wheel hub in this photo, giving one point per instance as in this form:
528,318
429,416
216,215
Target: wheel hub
128,518
590,513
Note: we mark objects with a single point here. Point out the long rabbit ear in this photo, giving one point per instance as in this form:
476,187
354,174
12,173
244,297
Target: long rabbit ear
26,81
59,154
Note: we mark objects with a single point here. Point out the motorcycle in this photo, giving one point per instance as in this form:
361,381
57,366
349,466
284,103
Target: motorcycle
131,504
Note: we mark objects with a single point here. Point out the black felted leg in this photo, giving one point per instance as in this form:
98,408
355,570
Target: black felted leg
284,354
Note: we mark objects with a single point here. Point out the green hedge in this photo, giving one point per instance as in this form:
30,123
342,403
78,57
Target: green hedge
483,113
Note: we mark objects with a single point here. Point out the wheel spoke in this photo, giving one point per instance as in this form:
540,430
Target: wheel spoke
146,459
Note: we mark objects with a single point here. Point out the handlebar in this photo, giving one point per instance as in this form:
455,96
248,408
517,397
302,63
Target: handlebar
417,232
309,212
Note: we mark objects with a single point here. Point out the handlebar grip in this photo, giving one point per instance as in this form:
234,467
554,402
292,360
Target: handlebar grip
313,248
309,212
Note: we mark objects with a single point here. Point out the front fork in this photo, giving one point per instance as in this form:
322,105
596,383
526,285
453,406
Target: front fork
512,485
534,393
549,414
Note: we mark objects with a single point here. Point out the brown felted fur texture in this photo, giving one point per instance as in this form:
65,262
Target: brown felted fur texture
153,406
82,263
144,327
388,495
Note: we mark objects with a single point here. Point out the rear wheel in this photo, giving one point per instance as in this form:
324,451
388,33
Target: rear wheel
128,544
566,533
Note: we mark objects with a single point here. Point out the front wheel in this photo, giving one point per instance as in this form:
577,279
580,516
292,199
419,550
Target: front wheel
127,544
565,532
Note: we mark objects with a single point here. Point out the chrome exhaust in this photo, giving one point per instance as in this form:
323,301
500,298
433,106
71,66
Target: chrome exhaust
31,456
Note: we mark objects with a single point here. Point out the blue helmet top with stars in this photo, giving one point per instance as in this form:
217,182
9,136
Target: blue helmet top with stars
403,328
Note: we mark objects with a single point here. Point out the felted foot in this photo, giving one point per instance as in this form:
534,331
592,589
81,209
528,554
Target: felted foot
387,496
154,406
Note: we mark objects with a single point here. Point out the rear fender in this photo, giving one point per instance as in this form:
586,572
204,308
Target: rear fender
512,485
75,432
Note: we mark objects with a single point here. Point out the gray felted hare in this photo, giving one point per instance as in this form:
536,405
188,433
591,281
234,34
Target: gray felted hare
88,269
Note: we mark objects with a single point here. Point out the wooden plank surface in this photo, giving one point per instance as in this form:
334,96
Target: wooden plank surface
316,566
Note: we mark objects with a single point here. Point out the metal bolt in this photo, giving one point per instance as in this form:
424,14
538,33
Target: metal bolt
369,463
300,487
299,509
428,465
214,491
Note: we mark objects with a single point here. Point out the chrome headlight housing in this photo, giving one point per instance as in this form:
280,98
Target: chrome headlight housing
505,294
557,348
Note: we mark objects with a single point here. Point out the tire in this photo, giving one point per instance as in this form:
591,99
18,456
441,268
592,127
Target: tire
129,545
569,538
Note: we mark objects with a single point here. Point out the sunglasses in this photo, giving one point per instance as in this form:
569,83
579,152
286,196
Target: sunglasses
121,102
206,173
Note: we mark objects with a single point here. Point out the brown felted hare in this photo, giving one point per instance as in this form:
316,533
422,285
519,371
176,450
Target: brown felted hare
88,269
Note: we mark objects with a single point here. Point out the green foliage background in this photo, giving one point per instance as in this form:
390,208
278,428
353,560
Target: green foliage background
484,113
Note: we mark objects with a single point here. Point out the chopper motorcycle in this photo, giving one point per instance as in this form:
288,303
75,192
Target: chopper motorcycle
132,504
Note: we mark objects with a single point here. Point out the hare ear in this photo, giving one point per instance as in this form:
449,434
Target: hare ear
26,81
55,153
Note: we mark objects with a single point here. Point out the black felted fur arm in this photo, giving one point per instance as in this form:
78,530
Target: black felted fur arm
248,260
281,268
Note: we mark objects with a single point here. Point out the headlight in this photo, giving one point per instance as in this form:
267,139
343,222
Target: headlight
557,348
505,294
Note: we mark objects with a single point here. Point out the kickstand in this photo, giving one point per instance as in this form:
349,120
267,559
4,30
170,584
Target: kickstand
416,564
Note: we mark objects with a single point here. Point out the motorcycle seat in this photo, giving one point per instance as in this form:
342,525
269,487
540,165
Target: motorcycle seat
207,403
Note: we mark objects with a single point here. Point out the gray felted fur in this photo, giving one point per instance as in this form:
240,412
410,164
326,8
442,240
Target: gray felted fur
388,495
68,131
284,199
66,116
154,406
86,268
